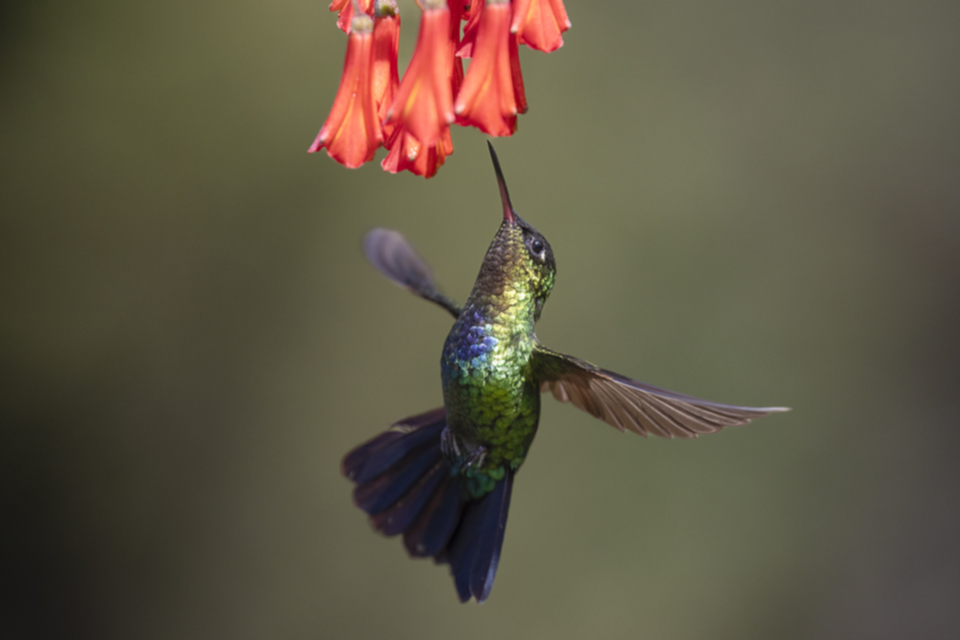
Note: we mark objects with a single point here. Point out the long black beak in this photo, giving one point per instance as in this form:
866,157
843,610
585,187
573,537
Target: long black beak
504,194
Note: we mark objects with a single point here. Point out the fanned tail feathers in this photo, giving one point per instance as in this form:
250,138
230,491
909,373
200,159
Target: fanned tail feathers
407,486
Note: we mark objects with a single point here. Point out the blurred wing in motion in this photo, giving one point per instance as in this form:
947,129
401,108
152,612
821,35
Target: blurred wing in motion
632,405
390,252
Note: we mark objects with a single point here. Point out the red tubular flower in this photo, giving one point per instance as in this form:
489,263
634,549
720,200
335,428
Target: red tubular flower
424,101
345,7
352,133
423,107
385,79
487,99
539,23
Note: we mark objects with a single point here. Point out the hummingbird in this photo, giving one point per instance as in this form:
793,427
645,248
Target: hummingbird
443,478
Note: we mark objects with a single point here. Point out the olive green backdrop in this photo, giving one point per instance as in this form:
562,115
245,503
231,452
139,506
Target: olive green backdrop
753,202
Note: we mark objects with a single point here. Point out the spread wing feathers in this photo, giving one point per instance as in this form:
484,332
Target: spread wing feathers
632,405
390,252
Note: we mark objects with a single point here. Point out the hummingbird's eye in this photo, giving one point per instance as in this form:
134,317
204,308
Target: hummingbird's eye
536,246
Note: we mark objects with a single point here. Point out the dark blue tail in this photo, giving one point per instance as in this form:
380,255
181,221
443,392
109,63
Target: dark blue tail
407,486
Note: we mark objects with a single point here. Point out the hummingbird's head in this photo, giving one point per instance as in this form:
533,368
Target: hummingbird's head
519,264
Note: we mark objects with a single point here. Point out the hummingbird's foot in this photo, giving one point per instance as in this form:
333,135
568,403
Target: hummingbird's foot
466,455
476,457
448,445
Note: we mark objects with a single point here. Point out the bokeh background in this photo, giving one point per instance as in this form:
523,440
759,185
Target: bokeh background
753,202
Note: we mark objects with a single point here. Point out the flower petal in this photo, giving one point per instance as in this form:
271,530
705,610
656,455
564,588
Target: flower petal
352,133
407,154
518,90
539,23
424,101
385,79
487,100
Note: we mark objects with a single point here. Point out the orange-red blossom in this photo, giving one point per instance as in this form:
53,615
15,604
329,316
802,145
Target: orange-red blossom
423,108
539,23
412,117
352,133
492,94
385,79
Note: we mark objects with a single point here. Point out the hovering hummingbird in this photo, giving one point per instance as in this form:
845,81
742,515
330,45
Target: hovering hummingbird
443,478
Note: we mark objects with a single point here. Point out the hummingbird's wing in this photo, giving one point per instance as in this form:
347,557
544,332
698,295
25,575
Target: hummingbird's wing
390,252
632,405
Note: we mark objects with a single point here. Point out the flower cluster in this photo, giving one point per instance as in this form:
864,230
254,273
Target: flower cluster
412,117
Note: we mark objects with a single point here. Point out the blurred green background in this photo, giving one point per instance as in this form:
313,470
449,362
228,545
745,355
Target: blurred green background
753,202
